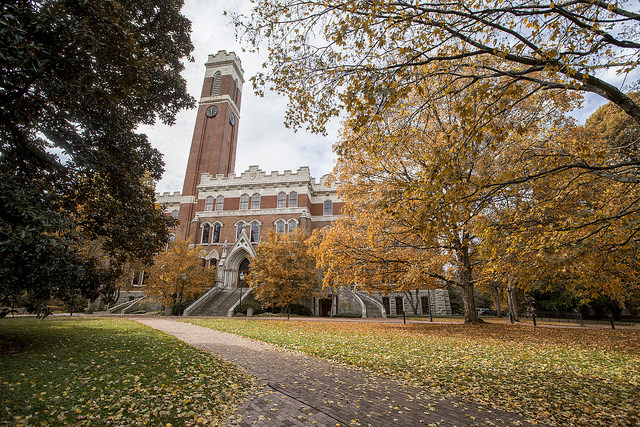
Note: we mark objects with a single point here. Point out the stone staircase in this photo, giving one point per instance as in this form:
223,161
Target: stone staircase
220,303
373,309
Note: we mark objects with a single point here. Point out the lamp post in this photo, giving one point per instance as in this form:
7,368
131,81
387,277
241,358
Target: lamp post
184,279
241,283
429,304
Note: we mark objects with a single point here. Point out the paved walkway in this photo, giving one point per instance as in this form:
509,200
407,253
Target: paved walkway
300,390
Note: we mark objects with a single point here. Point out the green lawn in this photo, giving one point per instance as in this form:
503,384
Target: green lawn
557,376
62,371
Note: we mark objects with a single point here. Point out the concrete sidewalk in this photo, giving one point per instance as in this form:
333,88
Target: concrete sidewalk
301,390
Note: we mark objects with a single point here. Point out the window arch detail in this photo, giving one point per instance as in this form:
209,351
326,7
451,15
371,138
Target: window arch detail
280,226
293,199
255,201
255,232
208,203
175,214
217,78
292,224
215,237
239,227
282,199
244,201
206,231
327,208
220,203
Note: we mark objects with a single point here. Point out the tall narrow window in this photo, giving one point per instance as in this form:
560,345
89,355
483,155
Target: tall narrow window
327,208
216,233
280,227
235,91
220,203
385,304
399,306
239,229
292,225
282,199
175,214
293,199
255,232
217,78
244,201
206,230
208,203
255,201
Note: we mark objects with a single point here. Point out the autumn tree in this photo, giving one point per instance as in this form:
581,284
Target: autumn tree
77,78
178,275
572,227
368,55
283,272
413,185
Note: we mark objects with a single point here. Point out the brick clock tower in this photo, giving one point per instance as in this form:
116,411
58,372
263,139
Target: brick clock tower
215,136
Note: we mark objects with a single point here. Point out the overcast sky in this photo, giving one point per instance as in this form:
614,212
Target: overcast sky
262,138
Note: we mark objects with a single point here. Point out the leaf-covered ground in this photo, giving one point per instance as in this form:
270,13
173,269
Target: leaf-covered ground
557,376
109,371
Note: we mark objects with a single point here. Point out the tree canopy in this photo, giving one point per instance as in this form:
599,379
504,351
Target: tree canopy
76,80
366,55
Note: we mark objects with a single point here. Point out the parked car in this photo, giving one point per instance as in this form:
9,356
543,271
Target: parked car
485,312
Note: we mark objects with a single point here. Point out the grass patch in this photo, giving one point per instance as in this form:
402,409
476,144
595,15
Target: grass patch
556,376
110,371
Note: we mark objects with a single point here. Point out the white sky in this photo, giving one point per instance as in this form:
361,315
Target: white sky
262,138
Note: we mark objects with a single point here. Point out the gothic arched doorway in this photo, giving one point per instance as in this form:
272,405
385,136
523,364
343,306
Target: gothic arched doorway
243,271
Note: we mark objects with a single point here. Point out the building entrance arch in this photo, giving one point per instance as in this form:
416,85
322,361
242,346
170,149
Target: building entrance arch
243,271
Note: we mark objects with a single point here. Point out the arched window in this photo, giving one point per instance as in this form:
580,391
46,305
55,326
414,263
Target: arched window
208,203
255,201
172,238
206,230
282,199
293,199
280,226
292,225
239,229
244,201
220,203
235,91
216,233
175,214
327,208
255,232
217,78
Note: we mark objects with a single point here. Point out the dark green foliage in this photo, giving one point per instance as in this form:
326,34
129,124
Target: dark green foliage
76,179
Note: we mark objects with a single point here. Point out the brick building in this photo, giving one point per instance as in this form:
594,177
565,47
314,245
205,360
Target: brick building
227,214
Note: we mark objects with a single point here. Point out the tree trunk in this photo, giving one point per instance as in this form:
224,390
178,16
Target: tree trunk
466,282
412,303
496,295
511,300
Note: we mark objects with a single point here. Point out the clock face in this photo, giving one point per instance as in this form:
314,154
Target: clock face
232,119
211,111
